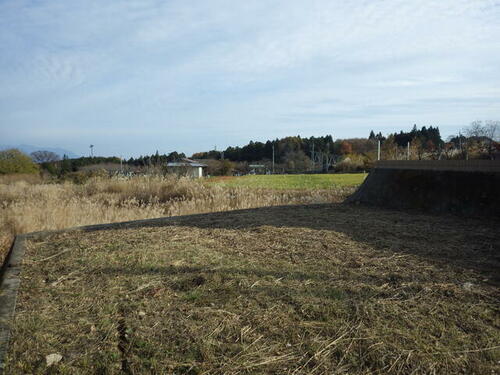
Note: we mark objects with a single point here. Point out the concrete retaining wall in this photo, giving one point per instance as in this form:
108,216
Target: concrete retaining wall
442,165
435,187
9,284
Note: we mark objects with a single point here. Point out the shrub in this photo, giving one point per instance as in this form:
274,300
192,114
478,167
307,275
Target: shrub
220,167
14,161
81,177
351,163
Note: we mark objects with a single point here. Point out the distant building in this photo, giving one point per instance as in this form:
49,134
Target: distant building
187,167
257,169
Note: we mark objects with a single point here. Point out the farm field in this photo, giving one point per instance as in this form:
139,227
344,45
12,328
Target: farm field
308,289
292,181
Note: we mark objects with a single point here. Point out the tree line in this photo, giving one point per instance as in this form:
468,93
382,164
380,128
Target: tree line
289,154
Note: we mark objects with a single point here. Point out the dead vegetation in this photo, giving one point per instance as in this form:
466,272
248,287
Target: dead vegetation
28,204
326,289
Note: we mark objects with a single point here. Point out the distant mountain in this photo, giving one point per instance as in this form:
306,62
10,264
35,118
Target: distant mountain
28,149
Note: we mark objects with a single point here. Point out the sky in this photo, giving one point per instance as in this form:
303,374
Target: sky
133,77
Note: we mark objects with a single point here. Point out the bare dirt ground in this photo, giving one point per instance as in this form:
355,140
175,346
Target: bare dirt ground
319,289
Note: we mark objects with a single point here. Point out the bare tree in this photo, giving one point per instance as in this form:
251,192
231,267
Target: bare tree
475,129
44,156
389,149
417,149
447,150
482,137
475,136
297,161
491,131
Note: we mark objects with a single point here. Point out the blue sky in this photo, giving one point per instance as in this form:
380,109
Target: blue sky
133,77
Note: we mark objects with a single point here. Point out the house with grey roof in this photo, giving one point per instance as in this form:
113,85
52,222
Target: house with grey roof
187,167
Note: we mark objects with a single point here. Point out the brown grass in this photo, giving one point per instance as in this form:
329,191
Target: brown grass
30,205
326,289
31,178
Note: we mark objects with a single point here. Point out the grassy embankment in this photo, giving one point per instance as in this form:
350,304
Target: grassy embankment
30,204
326,289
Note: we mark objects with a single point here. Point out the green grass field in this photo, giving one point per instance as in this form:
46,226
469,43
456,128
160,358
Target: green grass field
292,181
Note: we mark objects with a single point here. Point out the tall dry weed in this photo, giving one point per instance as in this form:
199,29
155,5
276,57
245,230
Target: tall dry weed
32,178
27,207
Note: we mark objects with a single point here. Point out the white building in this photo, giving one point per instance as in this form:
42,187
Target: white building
187,167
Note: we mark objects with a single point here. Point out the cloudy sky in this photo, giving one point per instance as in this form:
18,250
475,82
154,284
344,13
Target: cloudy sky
133,77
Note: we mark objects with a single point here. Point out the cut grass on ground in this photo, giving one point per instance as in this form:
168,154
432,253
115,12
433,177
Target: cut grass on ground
292,181
319,289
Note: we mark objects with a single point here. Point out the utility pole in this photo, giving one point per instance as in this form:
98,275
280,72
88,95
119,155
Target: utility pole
378,151
121,164
273,157
461,149
327,158
408,151
312,157
460,141
91,151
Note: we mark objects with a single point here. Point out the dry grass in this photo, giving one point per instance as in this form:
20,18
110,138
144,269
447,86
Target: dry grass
28,205
32,178
327,289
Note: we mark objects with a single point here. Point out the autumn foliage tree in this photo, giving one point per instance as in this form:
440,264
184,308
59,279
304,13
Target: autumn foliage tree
345,148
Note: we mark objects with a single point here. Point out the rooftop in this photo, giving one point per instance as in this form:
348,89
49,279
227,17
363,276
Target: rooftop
186,163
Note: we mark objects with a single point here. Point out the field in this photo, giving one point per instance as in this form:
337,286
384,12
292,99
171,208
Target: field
310,289
290,181
28,203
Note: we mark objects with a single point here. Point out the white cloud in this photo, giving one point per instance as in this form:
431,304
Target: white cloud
244,67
